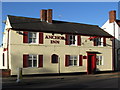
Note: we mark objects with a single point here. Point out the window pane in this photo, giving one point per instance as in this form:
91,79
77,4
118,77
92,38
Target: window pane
35,57
97,62
34,63
54,58
34,35
75,57
30,35
30,63
73,42
100,62
75,62
70,62
98,41
71,37
71,57
74,38
100,57
30,57
70,42
30,40
34,40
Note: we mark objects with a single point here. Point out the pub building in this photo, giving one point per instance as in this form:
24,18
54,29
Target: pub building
46,46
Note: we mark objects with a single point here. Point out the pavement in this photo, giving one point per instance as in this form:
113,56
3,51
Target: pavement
105,80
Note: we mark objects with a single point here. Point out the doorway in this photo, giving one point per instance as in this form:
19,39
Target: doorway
91,63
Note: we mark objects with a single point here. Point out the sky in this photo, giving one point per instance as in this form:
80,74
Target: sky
95,13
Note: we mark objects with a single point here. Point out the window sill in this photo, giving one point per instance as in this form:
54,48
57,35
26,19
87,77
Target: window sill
73,66
30,67
30,44
73,45
100,65
99,46
33,43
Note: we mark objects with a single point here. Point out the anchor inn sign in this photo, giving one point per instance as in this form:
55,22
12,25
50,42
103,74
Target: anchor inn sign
46,46
54,37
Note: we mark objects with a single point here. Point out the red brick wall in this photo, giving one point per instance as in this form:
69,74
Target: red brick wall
5,72
112,16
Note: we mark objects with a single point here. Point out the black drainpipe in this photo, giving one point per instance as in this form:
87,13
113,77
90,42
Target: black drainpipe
114,59
118,59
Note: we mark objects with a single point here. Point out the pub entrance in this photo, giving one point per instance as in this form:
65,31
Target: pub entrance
91,63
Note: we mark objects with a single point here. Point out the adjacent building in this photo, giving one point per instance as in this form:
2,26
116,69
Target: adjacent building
46,46
112,26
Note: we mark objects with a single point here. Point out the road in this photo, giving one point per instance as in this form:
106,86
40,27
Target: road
105,80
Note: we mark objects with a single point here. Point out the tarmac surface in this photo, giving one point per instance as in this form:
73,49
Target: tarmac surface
103,80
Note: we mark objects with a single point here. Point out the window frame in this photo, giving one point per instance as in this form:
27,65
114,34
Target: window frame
98,41
32,59
73,39
99,61
73,60
52,61
36,38
3,59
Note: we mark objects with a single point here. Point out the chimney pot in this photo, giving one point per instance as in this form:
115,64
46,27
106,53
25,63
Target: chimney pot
112,16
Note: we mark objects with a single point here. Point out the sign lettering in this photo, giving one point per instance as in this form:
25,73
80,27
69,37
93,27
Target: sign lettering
54,37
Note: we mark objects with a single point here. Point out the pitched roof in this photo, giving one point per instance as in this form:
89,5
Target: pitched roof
35,25
118,22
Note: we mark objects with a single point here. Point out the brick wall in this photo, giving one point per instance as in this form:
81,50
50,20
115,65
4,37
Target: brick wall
5,72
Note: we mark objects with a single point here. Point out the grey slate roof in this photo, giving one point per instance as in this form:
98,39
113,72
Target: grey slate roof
35,25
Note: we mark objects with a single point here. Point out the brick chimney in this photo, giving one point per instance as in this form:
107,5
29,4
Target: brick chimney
43,15
49,15
112,16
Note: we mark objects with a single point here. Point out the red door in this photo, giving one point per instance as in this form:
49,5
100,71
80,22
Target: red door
91,63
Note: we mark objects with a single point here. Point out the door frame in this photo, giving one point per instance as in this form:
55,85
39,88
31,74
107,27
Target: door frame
93,62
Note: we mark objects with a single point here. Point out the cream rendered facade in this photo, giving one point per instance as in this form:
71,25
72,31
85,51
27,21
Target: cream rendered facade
16,49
